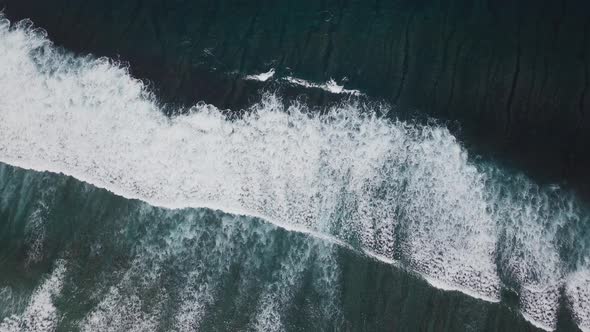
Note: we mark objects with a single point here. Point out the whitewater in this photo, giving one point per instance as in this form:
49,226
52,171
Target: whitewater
402,192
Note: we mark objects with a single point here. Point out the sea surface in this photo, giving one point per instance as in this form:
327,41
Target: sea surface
118,213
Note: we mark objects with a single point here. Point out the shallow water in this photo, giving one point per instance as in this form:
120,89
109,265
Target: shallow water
82,258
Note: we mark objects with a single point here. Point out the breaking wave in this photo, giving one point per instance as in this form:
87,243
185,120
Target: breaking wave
402,192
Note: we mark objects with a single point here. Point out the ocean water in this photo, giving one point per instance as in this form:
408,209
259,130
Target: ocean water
115,216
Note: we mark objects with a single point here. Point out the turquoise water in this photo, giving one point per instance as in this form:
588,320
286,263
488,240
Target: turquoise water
77,257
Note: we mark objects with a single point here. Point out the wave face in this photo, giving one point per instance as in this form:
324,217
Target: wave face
139,268
401,192
90,260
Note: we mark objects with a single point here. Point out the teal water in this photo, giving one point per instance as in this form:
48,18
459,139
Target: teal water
75,257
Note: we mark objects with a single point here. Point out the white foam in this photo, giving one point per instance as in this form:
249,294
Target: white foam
262,77
350,175
120,313
578,291
124,307
330,86
35,228
279,293
40,315
193,307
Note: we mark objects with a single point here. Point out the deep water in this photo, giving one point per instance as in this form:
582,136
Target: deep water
511,78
